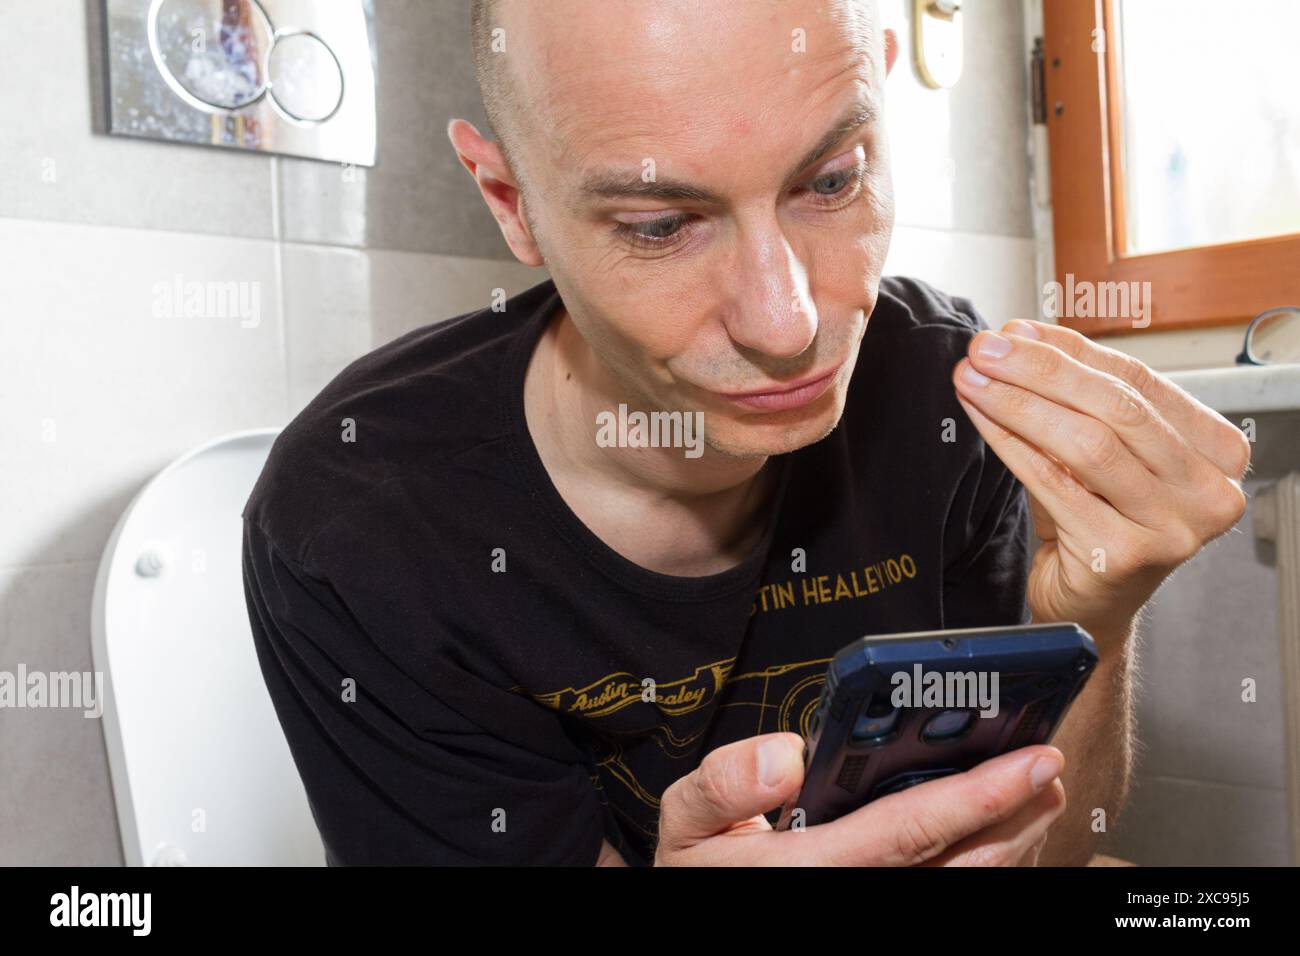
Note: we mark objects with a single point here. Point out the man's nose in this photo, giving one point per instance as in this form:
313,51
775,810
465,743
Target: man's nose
771,309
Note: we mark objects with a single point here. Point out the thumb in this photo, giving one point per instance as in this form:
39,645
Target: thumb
732,785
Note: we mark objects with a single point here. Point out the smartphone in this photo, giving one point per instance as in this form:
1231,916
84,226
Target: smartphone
900,709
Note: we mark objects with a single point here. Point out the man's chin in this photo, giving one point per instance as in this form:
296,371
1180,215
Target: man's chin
764,436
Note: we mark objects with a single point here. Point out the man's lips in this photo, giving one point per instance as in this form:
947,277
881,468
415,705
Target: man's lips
790,396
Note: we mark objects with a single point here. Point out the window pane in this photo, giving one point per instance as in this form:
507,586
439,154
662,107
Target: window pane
1211,120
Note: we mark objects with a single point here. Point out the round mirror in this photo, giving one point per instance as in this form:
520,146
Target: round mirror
1273,338
212,53
306,82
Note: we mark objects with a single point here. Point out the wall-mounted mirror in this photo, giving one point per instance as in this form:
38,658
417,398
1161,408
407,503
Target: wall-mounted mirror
284,76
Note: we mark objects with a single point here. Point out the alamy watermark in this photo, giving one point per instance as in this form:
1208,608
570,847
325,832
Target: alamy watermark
1098,300
949,689
129,910
208,299
66,689
626,429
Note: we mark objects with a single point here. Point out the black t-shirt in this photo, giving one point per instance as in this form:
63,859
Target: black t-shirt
458,663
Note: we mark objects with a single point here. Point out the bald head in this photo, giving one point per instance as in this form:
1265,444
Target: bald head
505,99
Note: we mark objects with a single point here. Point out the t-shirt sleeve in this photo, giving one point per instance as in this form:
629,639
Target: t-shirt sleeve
987,553
985,580
410,765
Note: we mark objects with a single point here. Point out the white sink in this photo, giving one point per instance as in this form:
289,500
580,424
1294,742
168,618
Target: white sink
1243,388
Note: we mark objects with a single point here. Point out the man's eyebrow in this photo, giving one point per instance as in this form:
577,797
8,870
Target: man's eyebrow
628,184
857,116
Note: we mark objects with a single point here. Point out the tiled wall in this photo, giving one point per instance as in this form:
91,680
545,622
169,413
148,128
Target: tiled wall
1210,785
100,393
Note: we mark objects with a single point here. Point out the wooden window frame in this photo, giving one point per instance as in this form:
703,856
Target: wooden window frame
1190,288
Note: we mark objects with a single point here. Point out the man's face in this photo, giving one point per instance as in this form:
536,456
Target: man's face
708,257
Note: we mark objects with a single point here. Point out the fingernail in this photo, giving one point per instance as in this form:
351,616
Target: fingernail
771,762
993,345
1045,770
973,377
1022,328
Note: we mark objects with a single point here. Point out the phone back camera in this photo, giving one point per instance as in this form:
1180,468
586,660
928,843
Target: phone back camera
876,722
947,725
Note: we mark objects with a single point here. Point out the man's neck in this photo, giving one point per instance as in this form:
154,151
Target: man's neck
655,506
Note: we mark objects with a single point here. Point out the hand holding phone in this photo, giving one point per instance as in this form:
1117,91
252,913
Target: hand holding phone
996,814
991,790
899,710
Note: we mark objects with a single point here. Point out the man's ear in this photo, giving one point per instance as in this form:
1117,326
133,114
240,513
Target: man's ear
891,50
491,172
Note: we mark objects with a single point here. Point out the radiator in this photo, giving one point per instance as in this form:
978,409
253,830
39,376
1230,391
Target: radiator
1276,512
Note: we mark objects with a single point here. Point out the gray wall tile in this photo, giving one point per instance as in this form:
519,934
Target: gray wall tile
408,291
1173,822
54,165
340,303
418,197
56,795
327,322
1211,625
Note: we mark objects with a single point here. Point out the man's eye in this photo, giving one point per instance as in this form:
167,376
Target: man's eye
834,184
663,232
653,232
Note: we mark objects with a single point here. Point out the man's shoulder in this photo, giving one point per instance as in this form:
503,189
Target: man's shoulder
914,337
913,306
406,408
901,394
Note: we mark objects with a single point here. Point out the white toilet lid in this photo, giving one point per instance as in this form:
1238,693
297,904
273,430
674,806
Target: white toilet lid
201,770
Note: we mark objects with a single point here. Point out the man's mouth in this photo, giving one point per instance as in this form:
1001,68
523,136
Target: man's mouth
784,397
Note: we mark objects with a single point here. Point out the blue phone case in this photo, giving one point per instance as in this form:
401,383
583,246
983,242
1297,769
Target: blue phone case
861,746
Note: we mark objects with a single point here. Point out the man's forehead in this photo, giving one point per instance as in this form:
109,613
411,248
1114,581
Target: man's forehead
628,79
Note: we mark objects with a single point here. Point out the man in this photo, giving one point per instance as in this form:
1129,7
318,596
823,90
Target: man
503,622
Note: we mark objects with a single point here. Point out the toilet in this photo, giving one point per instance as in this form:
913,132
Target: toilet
202,775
